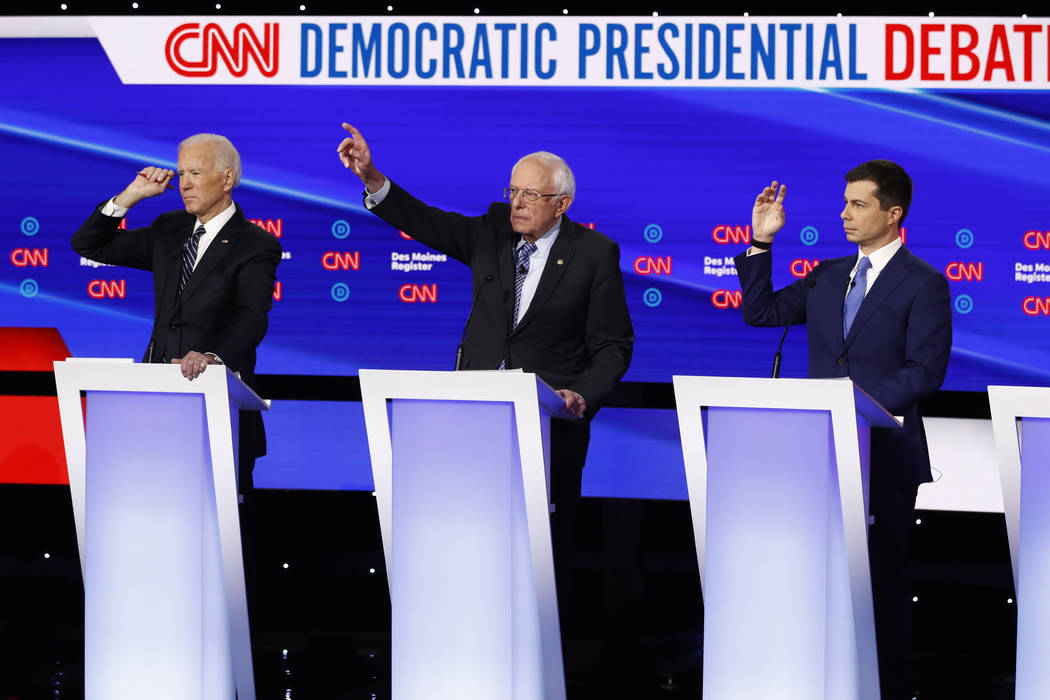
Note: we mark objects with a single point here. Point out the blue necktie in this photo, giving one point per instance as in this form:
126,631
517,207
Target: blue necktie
189,257
855,295
522,271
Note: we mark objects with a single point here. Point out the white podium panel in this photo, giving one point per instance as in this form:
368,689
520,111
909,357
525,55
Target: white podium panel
461,480
152,474
777,478
1021,425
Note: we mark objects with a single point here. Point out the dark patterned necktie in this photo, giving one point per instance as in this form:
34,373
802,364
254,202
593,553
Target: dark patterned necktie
189,256
522,271
855,295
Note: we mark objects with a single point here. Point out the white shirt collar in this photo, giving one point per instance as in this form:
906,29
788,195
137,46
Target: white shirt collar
215,224
880,257
544,242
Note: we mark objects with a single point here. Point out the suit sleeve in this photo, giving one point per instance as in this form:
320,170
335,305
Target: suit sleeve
928,344
100,240
759,304
609,334
447,232
253,298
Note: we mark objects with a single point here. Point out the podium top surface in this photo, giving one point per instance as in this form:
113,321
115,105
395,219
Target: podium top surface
798,394
464,385
122,374
1020,401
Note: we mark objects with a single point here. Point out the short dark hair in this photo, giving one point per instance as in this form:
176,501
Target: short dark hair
892,184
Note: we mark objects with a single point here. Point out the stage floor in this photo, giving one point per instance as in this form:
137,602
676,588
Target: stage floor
635,629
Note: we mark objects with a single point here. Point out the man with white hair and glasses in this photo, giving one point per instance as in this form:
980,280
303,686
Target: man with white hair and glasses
550,300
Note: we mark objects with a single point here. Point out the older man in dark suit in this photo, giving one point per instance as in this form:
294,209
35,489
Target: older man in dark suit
213,270
882,317
550,300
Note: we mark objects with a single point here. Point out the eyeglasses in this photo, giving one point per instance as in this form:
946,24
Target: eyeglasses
529,196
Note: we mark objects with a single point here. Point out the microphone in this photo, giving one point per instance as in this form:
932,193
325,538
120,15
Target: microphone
470,314
811,280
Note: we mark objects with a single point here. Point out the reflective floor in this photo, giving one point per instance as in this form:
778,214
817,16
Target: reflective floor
323,620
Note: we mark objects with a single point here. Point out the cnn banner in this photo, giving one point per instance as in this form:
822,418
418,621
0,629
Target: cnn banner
968,53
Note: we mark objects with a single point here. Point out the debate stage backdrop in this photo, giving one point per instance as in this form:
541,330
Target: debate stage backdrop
672,126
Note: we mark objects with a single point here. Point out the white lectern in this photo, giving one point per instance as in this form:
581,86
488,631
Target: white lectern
461,482
777,477
1021,426
153,478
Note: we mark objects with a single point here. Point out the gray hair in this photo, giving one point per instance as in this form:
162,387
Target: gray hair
564,181
226,156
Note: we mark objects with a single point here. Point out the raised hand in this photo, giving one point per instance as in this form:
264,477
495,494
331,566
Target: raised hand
149,182
355,155
767,217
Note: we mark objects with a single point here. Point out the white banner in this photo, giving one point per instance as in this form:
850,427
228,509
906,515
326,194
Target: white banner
965,53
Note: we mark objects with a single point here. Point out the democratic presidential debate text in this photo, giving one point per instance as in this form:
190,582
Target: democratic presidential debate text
975,53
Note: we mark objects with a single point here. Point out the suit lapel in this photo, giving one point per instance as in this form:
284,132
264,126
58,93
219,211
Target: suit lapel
888,280
223,242
505,266
557,262
835,274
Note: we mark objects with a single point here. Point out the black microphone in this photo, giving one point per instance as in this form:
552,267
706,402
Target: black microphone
470,314
811,280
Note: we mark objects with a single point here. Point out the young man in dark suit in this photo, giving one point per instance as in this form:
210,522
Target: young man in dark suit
550,300
883,318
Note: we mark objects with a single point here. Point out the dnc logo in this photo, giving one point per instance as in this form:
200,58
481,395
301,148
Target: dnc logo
194,52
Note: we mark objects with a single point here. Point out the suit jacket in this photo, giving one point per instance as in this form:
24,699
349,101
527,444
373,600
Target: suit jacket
576,333
224,305
897,349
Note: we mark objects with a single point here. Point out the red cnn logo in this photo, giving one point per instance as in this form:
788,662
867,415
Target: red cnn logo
800,267
277,291
341,261
23,257
406,236
648,265
957,271
725,299
271,226
123,225
412,293
1036,240
1036,306
731,234
211,44
101,289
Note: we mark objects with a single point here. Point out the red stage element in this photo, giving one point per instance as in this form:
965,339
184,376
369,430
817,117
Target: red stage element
31,447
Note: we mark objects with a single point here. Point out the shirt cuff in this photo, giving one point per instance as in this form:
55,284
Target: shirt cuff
374,199
111,208
755,251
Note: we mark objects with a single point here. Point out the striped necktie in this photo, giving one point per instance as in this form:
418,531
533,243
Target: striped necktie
522,271
189,256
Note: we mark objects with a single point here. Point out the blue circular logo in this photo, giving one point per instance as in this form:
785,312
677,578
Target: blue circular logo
809,235
30,226
652,297
964,303
964,239
340,292
29,288
341,228
653,233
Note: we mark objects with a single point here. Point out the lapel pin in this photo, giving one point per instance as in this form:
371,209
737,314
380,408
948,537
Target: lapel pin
560,261
225,240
